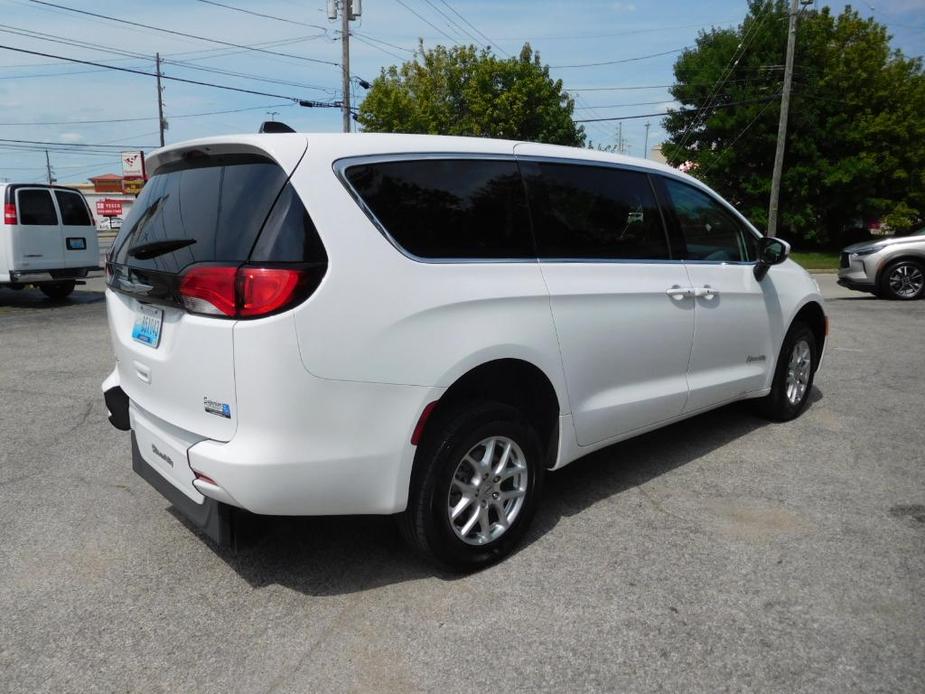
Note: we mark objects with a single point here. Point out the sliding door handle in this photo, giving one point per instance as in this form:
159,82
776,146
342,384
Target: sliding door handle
677,292
706,292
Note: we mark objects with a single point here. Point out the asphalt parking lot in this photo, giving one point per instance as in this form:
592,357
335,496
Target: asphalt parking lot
721,554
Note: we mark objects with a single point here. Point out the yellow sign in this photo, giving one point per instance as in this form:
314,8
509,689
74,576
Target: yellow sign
132,186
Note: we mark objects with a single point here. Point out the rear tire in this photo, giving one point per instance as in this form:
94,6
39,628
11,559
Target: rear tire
475,486
793,377
904,280
56,291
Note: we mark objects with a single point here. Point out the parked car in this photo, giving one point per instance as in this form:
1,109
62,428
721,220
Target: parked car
891,267
47,239
423,326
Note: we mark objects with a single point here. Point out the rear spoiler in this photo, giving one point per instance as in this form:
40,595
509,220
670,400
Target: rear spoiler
286,149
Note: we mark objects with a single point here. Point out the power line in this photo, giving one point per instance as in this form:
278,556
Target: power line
186,35
261,14
622,60
453,24
681,110
652,86
426,21
45,143
384,43
301,102
491,43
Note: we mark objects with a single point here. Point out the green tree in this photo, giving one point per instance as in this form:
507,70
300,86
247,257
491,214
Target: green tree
463,91
856,134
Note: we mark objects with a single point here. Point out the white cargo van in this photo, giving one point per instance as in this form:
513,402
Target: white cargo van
47,239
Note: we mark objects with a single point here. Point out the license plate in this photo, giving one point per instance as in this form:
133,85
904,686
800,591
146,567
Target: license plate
147,328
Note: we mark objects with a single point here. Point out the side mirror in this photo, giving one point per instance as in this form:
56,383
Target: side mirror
771,251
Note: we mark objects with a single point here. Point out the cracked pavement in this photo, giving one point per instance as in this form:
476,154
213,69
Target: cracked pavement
721,554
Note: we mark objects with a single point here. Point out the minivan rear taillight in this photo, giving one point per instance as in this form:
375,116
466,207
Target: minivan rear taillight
246,291
9,213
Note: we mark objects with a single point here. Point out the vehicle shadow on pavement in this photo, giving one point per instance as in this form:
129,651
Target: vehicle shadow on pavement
345,554
34,299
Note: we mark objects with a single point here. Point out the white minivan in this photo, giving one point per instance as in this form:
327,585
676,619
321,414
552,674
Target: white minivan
314,324
47,239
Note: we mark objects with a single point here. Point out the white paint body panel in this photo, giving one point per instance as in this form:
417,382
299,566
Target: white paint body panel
325,396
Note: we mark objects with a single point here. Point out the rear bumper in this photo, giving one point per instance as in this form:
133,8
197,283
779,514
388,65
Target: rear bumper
346,450
211,517
51,275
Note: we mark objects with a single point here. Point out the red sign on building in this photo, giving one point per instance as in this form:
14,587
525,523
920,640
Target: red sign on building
109,208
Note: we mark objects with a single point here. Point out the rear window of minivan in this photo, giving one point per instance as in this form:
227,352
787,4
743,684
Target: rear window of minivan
221,203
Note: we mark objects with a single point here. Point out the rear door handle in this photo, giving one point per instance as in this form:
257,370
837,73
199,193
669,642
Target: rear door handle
677,292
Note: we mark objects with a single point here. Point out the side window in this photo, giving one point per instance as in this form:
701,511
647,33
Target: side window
709,230
35,207
590,212
448,208
74,210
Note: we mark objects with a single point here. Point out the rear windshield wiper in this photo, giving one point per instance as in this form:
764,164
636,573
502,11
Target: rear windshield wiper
146,251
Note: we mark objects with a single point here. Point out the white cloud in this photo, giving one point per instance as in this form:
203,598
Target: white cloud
624,7
70,137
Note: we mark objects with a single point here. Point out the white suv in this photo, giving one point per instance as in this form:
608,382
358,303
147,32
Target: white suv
395,324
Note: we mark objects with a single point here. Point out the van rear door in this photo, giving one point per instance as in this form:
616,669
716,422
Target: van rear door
35,239
77,232
203,209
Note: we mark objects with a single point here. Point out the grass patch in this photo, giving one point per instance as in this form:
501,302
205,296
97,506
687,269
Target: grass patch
817,260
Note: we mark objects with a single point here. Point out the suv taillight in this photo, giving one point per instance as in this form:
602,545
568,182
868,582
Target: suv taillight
9,213
246,291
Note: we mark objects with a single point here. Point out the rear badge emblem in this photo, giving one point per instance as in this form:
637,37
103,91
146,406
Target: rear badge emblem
749,359
222,409
161,455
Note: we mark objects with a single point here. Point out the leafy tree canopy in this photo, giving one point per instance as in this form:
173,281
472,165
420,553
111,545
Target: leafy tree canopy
856,135
463,91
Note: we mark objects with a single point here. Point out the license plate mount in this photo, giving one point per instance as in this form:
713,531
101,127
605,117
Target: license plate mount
148,323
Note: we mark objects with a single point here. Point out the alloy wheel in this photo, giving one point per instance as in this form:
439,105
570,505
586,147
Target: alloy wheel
487,490
906,280
798,372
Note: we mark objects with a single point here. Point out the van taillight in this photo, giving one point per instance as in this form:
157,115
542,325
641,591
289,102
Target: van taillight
9,213
246,291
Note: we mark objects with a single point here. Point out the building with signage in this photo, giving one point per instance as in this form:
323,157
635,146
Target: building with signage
108,203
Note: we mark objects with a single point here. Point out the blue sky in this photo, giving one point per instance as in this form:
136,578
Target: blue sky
35,89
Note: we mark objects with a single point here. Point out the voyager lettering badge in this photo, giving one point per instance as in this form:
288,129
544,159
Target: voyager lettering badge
222,409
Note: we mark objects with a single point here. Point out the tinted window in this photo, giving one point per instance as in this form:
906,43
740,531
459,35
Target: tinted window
74,210
594,212
289,234
35,207
220,202
448,208
709,230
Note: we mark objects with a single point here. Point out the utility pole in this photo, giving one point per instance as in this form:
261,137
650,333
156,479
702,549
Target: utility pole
347,10
782,124
620,137
160,99
645,147
51,179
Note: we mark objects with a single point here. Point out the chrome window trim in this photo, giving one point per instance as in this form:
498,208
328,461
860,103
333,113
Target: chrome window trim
340,166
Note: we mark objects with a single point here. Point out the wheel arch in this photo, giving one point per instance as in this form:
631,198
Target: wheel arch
889,262
814,316
514,382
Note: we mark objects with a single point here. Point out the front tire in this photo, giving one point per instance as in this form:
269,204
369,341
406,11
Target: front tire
475,486
793,377
904,280
57,291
